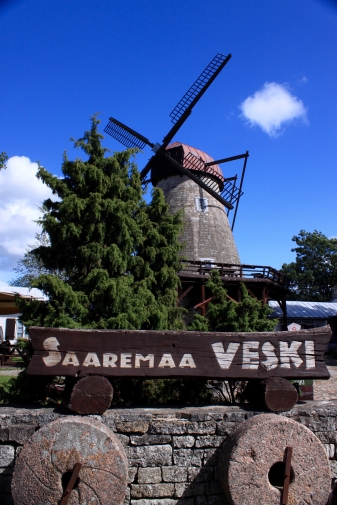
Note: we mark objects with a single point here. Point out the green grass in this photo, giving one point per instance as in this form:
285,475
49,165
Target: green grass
4,379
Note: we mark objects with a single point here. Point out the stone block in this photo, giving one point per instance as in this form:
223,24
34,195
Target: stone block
132,426
109,421
4,434
213,415
45,417
132,474
333,468
209,441
28,416
20,433
149,456
163,490
319,424
156,501
225,428
169,427
174,474
150,439
149,475
7,454
330,450
235,416
183,442
327,437
130,416
188,457
124,439
202,428
211,457
203,474
186,489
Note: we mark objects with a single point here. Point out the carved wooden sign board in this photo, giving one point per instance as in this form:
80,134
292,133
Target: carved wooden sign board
140,353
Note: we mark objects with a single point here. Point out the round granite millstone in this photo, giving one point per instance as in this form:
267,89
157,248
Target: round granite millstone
50,455
256,446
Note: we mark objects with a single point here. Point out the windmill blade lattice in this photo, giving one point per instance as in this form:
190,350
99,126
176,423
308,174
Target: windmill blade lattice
195,90
125,135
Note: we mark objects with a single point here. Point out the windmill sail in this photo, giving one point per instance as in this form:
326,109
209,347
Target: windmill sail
125,135
199,87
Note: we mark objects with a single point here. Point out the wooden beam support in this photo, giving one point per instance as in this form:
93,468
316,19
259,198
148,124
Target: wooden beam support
203,308
182,296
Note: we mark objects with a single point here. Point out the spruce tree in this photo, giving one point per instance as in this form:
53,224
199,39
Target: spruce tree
111,259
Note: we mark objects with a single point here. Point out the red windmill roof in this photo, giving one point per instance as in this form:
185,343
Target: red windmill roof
199,154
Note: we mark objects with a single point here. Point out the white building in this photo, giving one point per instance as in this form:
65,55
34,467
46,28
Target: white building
10,326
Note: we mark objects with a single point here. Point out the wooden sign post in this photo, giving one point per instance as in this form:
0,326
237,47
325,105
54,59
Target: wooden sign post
170,354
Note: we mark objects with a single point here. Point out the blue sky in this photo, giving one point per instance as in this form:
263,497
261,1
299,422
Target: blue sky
63,60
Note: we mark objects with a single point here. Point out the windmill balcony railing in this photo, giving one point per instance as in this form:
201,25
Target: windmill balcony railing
237,271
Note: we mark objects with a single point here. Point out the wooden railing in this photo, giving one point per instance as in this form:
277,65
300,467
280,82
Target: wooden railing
234,270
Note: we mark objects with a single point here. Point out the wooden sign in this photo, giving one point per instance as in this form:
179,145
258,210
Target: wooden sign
127,353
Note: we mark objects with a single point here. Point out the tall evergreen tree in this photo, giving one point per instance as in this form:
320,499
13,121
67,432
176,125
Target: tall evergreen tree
117,255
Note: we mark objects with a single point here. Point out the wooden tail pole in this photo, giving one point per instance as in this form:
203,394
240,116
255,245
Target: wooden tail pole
286,482
71,484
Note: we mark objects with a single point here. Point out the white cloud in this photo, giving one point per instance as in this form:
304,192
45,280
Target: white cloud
271,107
21,195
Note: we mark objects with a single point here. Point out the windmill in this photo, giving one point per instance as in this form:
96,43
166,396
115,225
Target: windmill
185,173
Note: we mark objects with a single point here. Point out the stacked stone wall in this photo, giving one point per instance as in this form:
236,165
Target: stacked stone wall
172,453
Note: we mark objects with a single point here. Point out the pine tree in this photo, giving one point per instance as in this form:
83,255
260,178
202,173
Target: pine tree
225,314
118,256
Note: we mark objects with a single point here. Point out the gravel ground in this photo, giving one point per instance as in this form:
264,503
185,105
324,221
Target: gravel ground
327,389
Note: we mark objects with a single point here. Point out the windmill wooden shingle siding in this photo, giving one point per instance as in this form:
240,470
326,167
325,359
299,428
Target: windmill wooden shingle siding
206,233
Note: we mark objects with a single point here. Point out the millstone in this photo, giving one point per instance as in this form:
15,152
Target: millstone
91,395
46,462
251,464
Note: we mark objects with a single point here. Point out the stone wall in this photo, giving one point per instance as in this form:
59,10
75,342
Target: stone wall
172,453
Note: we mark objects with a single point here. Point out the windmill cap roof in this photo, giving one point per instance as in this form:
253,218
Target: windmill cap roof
199,154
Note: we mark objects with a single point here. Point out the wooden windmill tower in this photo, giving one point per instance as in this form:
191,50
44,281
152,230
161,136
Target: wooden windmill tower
192,180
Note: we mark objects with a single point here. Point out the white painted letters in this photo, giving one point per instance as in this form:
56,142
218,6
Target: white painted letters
50,344
109,359
70,359
272,360
288,353
250,359
126,360
225,359
187,360
91,360
310,354
140,357
167,360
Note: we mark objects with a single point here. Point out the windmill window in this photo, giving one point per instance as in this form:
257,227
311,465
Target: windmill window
201,204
